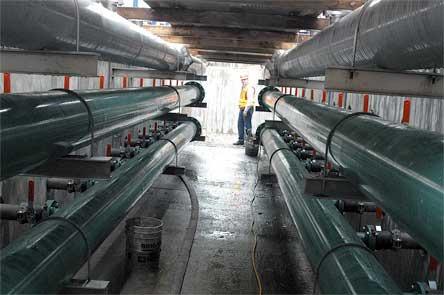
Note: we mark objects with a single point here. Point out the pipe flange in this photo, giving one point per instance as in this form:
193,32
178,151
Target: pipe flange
198,126
201,90
258,133
262,92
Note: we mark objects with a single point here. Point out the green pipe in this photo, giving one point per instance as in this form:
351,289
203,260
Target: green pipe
321,227
398,167
49,254
35,127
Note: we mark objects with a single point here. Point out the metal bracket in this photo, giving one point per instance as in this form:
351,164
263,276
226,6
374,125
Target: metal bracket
279,125
155,74
385,82
174,170
269,178
199,138
202,105
337,188
302,83
49,62
261,109
86,287
172,117
76,167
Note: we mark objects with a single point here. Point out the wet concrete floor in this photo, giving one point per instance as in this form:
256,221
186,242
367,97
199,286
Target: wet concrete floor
220,262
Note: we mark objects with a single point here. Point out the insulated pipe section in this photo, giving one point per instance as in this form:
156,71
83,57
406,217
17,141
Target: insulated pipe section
347,270
52,25
393,34
398,167
50,253
36,127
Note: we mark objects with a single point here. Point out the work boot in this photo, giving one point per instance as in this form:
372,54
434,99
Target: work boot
239,142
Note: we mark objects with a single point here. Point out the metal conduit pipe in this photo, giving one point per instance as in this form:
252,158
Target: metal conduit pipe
9,211
398,167
355,206
36,127
394,239
52,25
395,35
348,270
49,254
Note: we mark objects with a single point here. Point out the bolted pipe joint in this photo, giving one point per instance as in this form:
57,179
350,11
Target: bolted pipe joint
24,214
377,239
69,185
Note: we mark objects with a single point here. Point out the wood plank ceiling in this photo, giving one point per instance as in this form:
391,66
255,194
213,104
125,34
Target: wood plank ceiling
244,31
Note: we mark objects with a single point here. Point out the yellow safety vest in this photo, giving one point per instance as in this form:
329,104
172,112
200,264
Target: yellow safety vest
243,98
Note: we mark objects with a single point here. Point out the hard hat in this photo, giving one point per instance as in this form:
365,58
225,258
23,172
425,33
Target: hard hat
244,77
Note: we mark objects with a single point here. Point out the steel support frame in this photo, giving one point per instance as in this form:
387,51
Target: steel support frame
385,82
75,167
335,188
300,83
383,159
57,123
54,249
49,62
321,228
155,74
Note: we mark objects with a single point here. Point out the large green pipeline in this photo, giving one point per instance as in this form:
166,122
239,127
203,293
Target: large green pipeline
49,254
398,167
321,228
35,127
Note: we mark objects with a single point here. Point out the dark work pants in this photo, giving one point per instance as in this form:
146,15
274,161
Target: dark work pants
244,122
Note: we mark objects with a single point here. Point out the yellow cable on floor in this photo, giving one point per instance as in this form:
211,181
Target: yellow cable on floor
253,261
253,252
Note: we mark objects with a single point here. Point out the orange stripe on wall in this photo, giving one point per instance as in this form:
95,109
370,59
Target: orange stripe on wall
101,81
340,99
125,82
366,103
406,112
141,82
66,82
303,92
6,83
324,96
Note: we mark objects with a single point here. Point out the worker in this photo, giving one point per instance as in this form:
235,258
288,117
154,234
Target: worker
246,109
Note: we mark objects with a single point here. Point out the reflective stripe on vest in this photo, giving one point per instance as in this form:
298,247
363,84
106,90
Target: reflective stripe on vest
243,98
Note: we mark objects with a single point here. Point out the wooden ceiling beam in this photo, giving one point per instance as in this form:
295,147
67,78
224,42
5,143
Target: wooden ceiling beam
232,57
271,7
226,34
225,19
268,51
242,44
